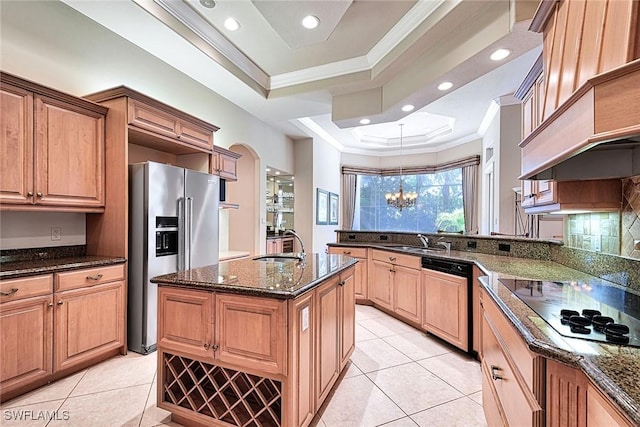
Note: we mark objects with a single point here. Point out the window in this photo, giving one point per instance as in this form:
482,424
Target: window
438,207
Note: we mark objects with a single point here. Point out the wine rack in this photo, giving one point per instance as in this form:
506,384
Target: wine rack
235,397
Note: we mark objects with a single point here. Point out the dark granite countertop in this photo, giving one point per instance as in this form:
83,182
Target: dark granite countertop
281,280
14,269
612,368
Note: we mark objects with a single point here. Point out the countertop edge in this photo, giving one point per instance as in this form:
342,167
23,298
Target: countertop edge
64,265
265,293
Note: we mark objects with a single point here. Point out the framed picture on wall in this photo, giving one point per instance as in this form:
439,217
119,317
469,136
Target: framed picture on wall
322,206
334,206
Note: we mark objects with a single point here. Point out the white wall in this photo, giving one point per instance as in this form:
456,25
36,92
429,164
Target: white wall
489,216
51,44
326,175
20,230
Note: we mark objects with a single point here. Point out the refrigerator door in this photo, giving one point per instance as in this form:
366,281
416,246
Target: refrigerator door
201,219
156,191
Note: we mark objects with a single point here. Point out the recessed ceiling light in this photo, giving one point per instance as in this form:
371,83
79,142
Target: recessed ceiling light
445,86
209,4
407,108
277,172
278,181
268,169
310,22
365,121
500,54
231,24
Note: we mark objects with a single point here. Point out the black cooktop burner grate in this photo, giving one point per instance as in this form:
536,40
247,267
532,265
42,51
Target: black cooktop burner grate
591,311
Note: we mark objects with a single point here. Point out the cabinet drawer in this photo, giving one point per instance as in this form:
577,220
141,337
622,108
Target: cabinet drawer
149,118
396,258
526,362
88,277
25,287
518,404
353,252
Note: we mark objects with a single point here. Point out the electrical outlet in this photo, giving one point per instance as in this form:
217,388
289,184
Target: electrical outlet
504,247
56,233
472,244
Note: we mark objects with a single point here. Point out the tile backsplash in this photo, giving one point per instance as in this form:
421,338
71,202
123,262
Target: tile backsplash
630,227
598,232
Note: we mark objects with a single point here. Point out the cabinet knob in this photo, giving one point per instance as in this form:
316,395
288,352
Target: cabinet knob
215,347
39,194
96,277
346,252
207,346
60,302
494,372
10,292
392,258
30,194
341,283
50,304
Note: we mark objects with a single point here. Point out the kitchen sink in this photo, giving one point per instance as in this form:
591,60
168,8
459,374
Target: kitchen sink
280,258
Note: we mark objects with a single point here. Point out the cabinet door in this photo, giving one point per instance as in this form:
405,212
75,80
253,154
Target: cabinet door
347,316
407,293
69,155
301,378
546,192
88,322
193,134
528,114
600,412
251,333
25,341
381,291
16,145
528,193
185,322
361,279
446,303
327,338
227,167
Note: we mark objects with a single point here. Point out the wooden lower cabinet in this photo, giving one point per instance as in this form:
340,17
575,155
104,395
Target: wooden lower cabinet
361,274
291,352
250,332
55,324
512,376
445,307
407,294
380,286
26,342
88,322
572,401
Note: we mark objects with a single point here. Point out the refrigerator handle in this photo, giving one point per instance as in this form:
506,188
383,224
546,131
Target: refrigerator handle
189,220
181,233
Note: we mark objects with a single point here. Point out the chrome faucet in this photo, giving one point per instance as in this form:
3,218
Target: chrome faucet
447,245
294,234
424,240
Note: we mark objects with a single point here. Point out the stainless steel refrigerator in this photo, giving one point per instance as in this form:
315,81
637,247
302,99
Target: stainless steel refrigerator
173,226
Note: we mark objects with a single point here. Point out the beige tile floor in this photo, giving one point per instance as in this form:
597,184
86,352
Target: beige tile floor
397,377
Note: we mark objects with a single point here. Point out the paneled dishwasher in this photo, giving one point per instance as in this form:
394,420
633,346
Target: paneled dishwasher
447,297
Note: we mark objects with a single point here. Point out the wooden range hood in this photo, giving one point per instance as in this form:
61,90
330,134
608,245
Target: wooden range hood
590,116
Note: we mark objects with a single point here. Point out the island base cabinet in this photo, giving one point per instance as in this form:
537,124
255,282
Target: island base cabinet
272,362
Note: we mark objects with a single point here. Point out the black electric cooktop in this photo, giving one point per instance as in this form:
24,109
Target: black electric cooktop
590,311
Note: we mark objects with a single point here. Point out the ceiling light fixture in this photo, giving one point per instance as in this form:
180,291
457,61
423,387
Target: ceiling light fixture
310,22
401,200
407,108
231,24
365,121
500,54
209,4
445,86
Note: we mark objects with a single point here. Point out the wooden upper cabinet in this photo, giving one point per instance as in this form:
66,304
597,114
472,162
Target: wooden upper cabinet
156,120
225,163
52,147
154,124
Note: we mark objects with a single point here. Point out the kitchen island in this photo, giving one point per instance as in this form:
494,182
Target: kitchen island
254,342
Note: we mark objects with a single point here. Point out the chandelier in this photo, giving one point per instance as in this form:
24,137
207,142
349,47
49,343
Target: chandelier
400,199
